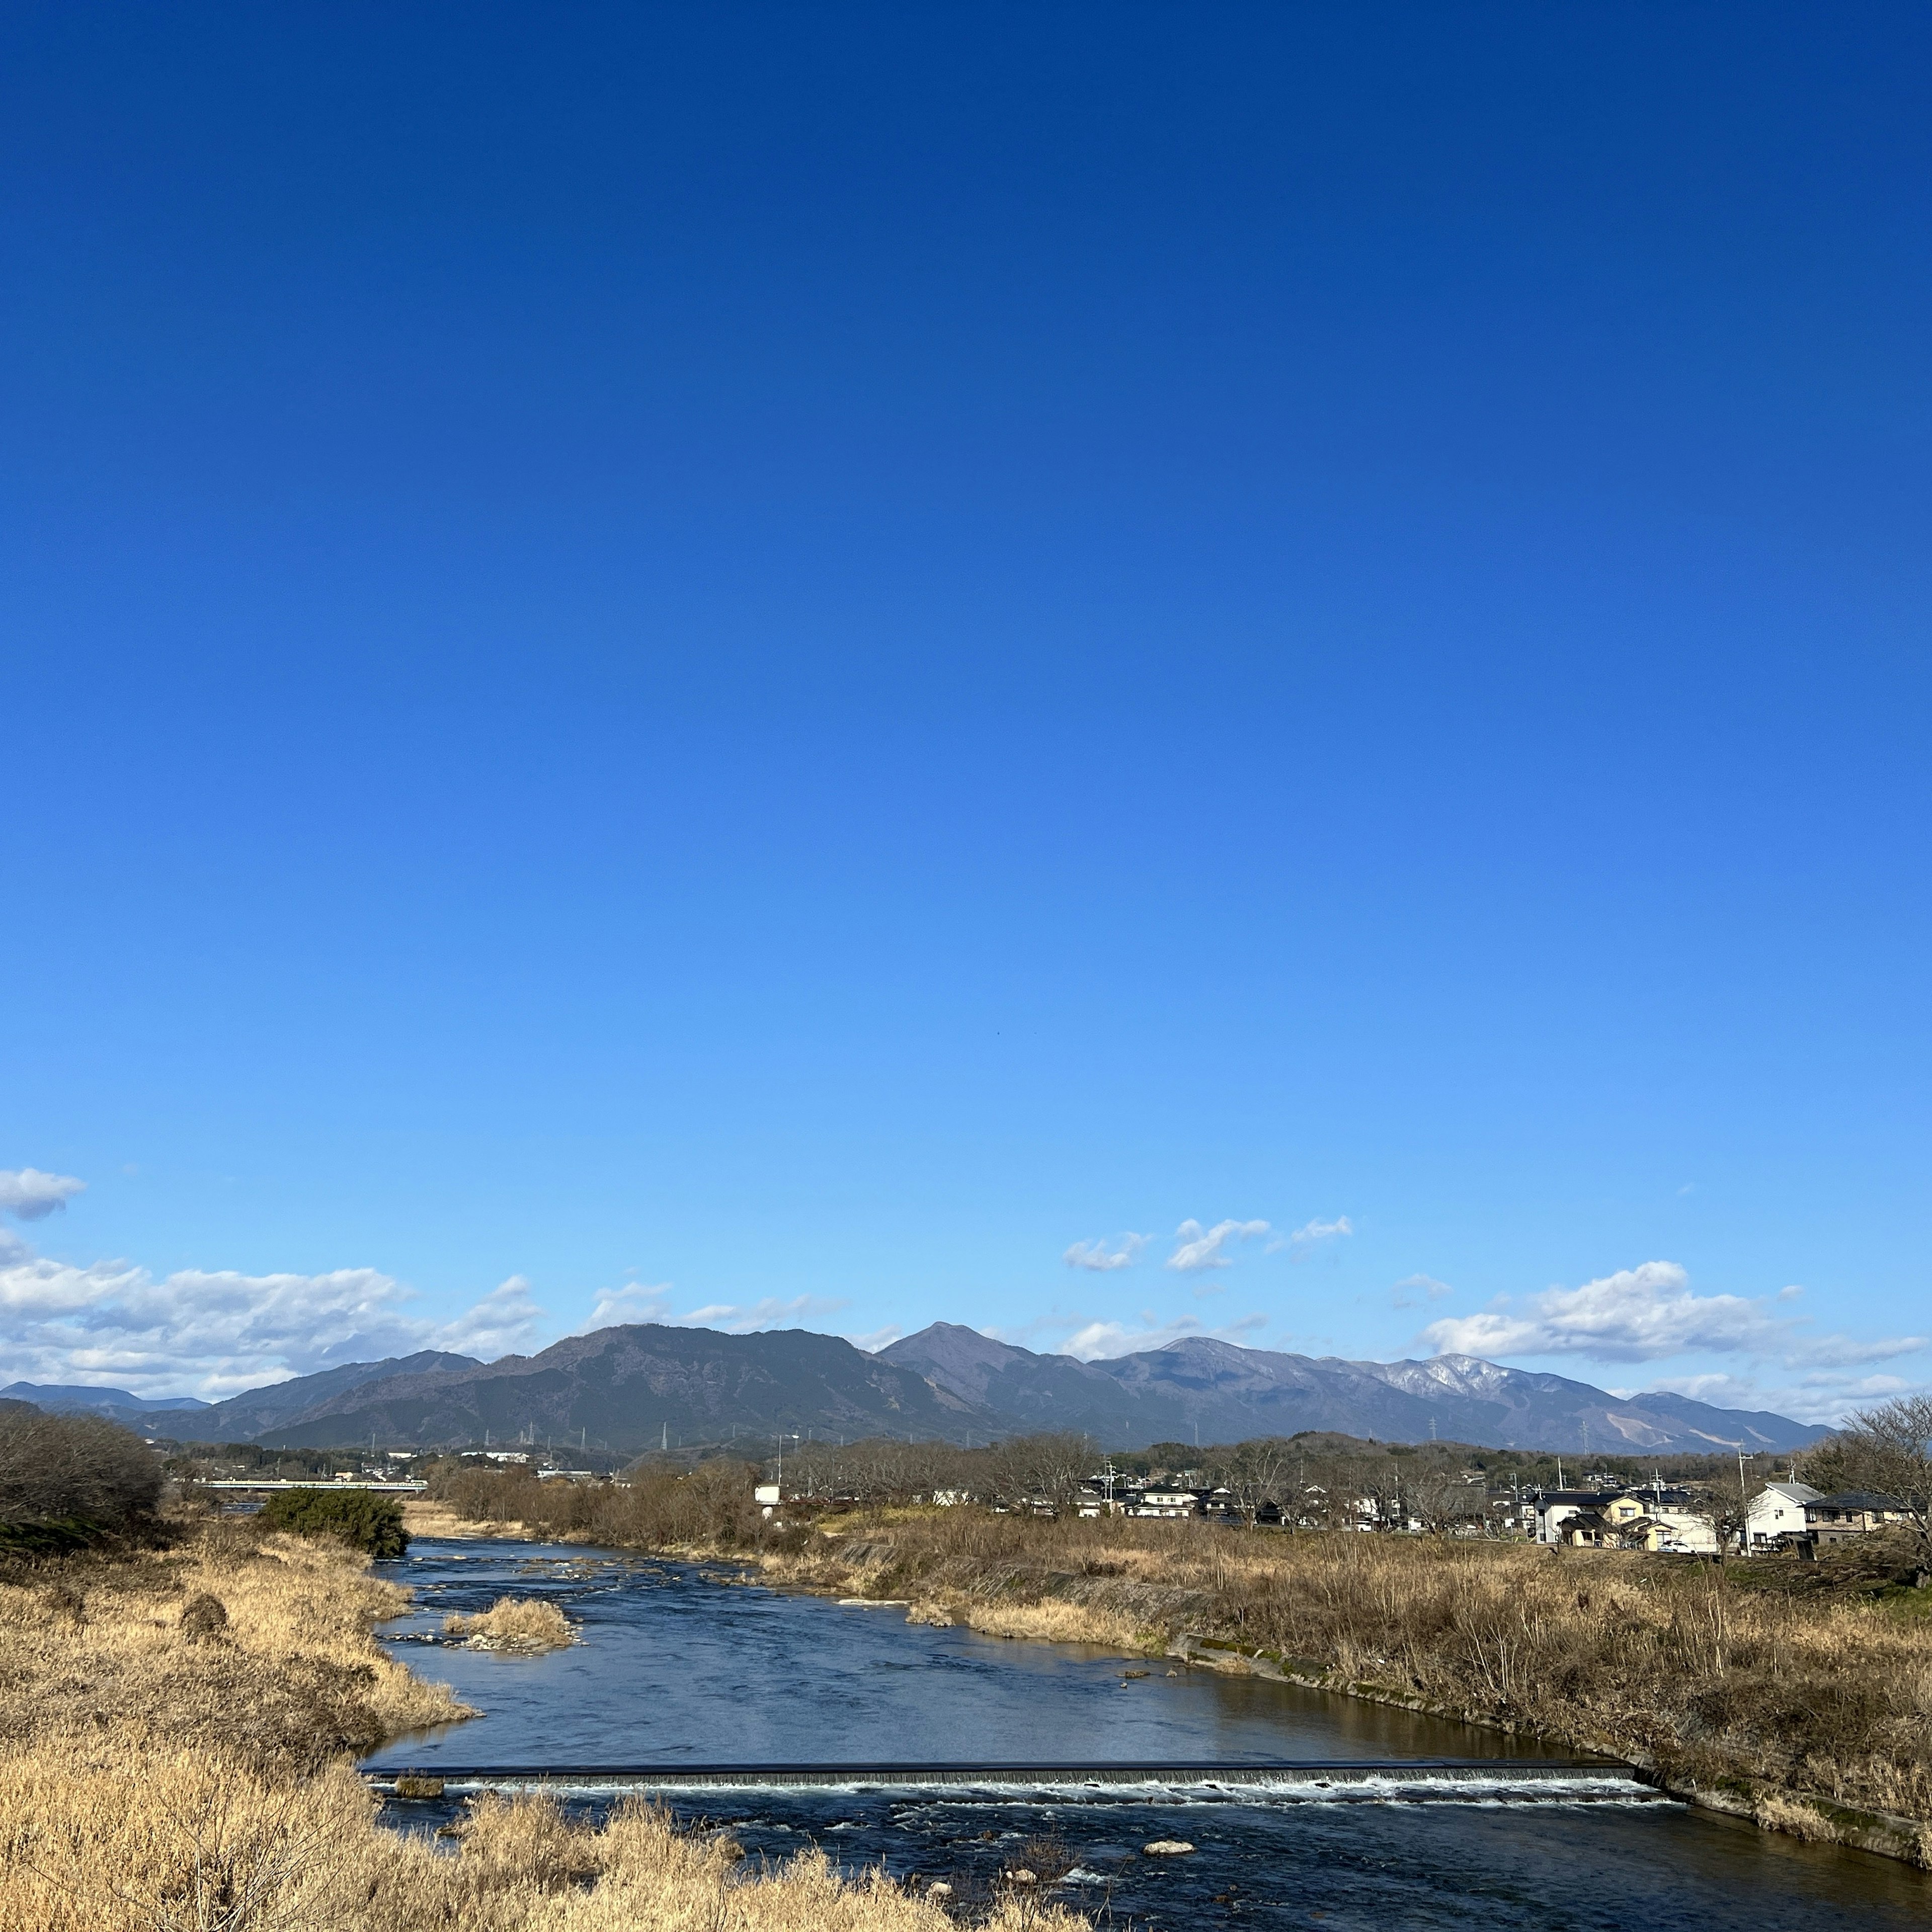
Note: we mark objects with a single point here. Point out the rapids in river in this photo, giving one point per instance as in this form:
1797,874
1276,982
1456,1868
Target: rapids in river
682,1667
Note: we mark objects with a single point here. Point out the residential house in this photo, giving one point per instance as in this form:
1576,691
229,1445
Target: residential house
1848,1513
1656,1518
1163,1502
1555,1508
1778,1510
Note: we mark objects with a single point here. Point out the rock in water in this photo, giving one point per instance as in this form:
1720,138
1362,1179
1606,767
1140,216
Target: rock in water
1167,1848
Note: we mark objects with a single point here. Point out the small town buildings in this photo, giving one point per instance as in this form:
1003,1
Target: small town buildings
1163,1503
1657,1518
1848,1513
1555,1507
1778,1510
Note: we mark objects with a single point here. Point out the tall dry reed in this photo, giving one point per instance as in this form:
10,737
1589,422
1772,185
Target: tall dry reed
192,1842
173,1733
1681,1664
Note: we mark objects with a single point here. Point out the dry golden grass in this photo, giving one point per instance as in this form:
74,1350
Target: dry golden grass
1682,1665
1050,1622
511,1623
259,1647
424,1516
174,1730
190,1841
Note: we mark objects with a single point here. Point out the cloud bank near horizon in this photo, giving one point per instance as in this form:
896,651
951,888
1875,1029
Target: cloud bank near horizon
1650,1313
214,1333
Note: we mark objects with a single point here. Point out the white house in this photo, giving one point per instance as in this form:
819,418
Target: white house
1778,1509
1656,1518
1163,1502
1555,1508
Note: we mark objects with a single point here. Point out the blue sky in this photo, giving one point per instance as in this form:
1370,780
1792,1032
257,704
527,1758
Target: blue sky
768,664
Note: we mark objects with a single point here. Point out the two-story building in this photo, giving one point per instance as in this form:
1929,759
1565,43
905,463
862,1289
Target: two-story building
1555,1507
1657,1518
1848,1513
1777,1511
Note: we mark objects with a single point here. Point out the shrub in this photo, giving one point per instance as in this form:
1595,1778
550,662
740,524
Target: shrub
76,1470
204,1618
362,1520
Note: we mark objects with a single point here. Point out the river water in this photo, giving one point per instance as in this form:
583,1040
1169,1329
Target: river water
681,1665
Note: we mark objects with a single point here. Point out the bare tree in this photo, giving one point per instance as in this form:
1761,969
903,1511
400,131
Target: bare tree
74,1465
1257,1472
1887,1450
1335,1490
1044,1468
1440,1498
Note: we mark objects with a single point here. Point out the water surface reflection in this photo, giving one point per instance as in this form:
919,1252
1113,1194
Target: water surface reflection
678,1666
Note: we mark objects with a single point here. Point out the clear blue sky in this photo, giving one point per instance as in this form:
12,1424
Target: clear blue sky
798,656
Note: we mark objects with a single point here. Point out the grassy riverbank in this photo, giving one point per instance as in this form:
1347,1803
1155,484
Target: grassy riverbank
176,1727
1800,1695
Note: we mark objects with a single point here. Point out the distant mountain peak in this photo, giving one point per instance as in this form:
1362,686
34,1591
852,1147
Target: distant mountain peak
637,1384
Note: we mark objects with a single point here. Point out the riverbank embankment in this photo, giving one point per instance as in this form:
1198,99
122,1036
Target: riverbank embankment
1807,1709
178,1724
1799,1696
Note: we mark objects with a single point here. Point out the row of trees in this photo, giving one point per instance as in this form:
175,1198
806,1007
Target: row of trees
1330,1483
1886,1449
659,1505
1315,1485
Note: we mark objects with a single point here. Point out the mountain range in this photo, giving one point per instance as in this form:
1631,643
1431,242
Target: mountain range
629,1388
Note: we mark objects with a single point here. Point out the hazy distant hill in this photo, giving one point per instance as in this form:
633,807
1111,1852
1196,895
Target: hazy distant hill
245,1417
1224,1393
79,1398
628,1387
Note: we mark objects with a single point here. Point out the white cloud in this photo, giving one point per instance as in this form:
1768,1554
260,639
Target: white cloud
635,1302
32,1196
1311,1234
1636,1314
1721,1388
1405,1291
769,1313
1825,1398
1202,1247
1097,1255
1840,1352
1648,1312
214,1333
880,1338
1104,1341
506,1317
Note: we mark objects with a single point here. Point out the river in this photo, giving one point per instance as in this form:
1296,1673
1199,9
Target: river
684,1665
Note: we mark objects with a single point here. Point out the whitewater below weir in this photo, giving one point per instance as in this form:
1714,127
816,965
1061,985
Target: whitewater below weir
941,1753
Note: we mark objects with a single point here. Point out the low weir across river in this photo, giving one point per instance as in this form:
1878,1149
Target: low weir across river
939,1753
